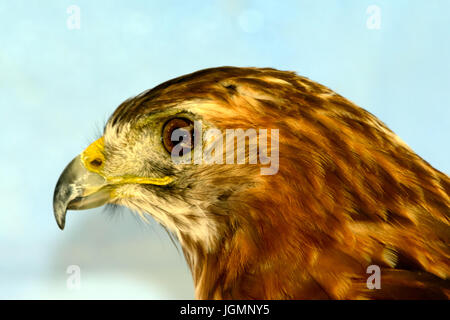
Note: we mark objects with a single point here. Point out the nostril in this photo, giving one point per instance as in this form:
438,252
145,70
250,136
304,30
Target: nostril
96,162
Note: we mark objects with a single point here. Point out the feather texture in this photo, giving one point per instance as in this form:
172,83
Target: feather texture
348,194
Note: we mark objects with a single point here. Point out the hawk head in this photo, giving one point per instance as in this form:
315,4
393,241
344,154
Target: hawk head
315,190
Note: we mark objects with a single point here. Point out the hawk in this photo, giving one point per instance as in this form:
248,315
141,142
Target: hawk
347,194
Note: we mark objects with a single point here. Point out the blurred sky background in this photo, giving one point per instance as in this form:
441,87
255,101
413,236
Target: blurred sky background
58,86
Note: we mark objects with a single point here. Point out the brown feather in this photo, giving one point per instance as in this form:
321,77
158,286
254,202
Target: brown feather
349,193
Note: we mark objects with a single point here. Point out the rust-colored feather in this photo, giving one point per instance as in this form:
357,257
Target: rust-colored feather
349,194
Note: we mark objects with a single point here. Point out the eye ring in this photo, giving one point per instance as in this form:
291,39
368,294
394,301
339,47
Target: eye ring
178,132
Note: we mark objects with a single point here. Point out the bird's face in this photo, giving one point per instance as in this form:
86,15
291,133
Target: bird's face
135,164
147,165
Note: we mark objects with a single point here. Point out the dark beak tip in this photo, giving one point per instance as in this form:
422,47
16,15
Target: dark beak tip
61,224
59,211
60,221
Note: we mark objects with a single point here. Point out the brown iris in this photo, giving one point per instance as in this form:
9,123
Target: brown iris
178,131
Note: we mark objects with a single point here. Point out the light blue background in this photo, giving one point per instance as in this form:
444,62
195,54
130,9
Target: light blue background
58,87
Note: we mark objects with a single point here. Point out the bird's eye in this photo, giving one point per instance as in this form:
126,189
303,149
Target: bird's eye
178,134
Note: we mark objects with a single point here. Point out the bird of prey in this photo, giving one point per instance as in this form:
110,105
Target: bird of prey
347,194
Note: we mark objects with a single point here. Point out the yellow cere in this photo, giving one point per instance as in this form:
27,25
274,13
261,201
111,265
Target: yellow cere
93,159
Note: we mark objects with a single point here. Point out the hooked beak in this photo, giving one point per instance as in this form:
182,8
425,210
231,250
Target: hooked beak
84,185
78,189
